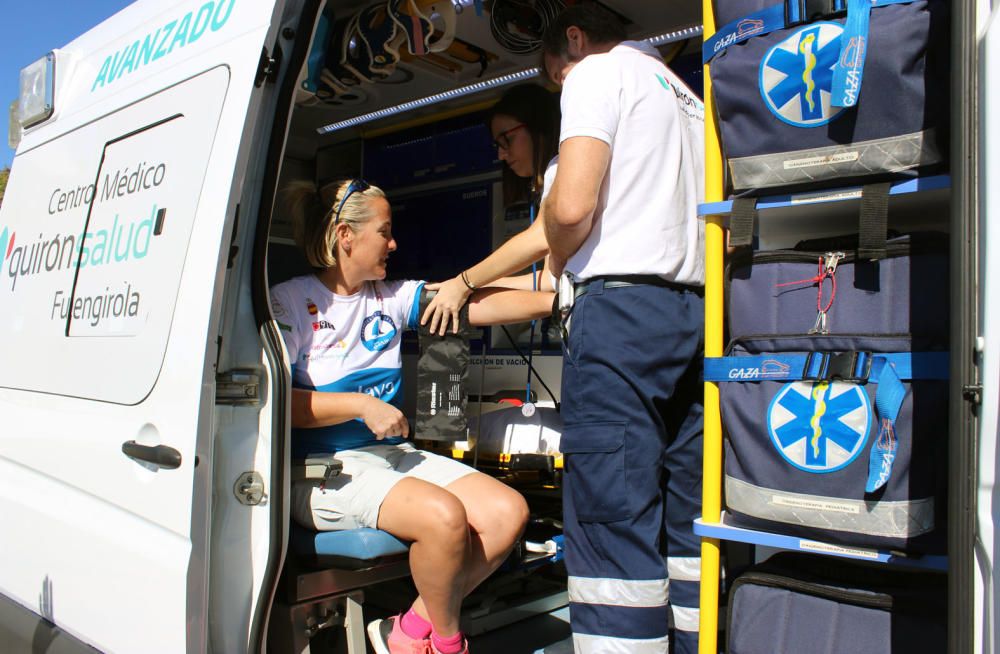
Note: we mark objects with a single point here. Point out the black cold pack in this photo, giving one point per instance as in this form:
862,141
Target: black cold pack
442,378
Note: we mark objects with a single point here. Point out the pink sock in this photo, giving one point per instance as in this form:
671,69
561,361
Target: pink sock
414,626
450,645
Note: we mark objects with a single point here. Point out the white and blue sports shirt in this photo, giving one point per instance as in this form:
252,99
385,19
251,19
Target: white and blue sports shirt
345,344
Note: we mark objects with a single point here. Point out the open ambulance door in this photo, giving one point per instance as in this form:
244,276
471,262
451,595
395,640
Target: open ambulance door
120,210
975,460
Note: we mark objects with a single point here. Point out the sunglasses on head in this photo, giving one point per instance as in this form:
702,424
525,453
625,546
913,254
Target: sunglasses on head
502,141
356,186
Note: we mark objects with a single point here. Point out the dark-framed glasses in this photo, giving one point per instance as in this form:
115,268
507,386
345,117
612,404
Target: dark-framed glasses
357,185
502,141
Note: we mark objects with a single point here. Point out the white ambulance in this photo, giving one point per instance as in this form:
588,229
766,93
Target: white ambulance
144,466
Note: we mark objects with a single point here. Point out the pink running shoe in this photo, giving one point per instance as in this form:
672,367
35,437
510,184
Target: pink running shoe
389,638
465,648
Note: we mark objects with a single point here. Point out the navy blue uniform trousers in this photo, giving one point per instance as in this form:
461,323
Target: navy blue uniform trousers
632,408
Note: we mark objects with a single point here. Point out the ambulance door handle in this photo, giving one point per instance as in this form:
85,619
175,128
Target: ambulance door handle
163,456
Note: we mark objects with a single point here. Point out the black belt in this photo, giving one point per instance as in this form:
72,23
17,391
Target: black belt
619,281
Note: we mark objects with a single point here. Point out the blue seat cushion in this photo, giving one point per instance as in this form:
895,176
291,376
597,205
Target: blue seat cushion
360,545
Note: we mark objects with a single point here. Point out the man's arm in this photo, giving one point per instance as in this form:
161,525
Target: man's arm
569,209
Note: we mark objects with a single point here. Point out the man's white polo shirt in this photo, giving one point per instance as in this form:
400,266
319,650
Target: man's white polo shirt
646,220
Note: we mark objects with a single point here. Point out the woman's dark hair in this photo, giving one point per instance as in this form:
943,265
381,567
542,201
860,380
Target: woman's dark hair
599,24
538,109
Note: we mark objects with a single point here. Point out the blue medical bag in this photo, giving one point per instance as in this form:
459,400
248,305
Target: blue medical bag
817,92
835,393
797,602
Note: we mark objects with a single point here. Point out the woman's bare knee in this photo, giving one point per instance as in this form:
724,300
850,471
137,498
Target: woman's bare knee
512,515
522,513
502,517
416,510
445,519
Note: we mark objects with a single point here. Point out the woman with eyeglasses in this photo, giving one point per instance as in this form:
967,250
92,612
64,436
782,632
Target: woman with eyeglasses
525,128
341,326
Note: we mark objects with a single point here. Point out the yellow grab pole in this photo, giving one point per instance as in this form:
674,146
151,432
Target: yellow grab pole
712,466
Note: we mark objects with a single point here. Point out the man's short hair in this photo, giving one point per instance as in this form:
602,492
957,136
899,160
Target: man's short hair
599,24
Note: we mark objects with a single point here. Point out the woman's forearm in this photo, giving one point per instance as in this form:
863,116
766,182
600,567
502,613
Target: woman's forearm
321,409
518,253
540,280
495,306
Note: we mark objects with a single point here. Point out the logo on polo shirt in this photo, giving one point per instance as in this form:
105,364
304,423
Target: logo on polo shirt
796,75
819,427
337,350
377,331
322,324
278,309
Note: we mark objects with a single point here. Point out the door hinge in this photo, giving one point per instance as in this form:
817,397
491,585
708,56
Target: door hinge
238,387
267,69
973,393
249,489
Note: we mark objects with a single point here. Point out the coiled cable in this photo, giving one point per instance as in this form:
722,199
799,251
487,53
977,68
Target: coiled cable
518,25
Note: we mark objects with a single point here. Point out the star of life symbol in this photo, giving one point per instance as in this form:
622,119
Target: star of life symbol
819,427
796,75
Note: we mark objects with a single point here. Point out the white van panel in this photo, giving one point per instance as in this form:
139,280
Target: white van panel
987,579
143,49
110,549
125,224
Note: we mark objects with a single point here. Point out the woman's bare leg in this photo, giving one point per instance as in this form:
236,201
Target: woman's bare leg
435,521
497,515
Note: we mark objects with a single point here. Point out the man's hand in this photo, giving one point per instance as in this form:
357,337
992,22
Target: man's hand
384,419
444,307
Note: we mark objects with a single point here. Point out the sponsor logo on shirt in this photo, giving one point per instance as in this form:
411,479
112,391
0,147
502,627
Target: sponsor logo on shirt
383,389
377,331
690,105
337,350
322,324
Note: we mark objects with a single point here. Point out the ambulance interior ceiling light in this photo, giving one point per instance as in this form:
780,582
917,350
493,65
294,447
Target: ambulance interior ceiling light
485,85
36,101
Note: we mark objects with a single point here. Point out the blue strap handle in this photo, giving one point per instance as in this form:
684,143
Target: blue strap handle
888,400
850,66
765,21
759,23
804,365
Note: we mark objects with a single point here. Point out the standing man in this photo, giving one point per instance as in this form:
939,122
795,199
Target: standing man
621,220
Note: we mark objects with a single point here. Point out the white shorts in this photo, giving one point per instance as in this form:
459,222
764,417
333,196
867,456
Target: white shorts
353,498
